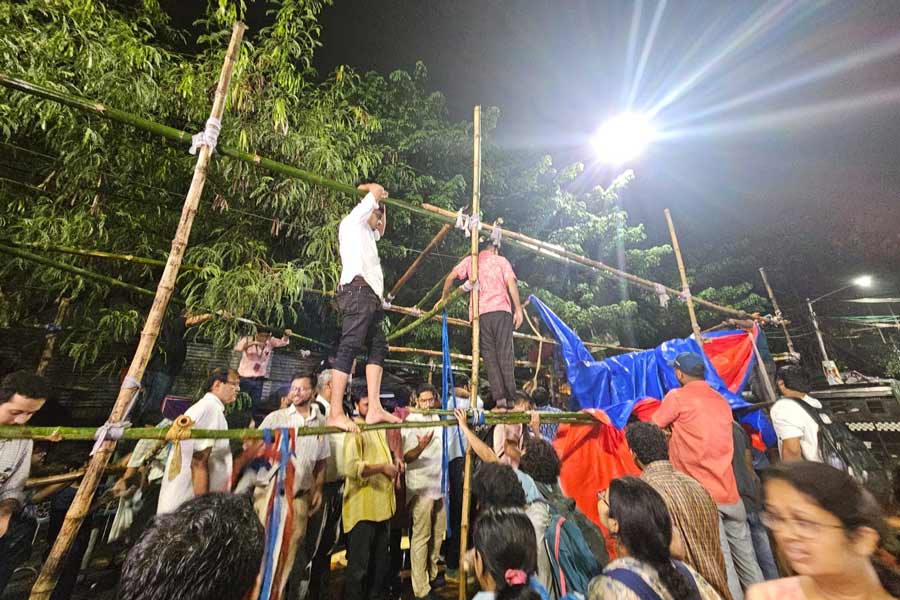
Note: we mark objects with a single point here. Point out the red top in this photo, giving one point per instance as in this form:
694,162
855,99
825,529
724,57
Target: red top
701,444
494,272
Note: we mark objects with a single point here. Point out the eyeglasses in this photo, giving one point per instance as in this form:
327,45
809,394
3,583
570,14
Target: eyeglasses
428,399
601,497
801,527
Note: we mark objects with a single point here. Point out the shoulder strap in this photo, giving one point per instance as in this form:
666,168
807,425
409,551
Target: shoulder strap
633,582
810,410
562,575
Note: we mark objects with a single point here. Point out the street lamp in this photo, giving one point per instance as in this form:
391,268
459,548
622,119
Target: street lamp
828,367
623,138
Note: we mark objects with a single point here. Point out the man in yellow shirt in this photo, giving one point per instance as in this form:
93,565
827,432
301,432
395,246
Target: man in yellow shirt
369,504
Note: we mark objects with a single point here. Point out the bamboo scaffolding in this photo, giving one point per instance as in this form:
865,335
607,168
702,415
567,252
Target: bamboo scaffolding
445,228
476,344
424,301
86,434
454,355
46,581
50,343
141,260
36,482
686,289
427,210
426,316
778,314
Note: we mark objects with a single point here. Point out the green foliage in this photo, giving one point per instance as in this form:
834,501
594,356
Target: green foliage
260,239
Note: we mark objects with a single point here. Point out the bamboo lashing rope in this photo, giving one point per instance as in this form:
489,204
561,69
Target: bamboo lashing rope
180,430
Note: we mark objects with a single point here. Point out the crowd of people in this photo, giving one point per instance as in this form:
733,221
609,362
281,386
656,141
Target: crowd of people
707,517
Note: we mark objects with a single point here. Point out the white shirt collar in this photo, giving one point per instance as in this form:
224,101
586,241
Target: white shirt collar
292,409
812,401
210,397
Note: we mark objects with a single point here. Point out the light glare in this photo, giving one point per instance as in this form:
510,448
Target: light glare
863,281
623,138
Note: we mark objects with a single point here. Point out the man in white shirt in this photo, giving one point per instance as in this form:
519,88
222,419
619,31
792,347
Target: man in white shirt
21,395
323,530
256,353
202,466
797,430
424,456
309,459
359,299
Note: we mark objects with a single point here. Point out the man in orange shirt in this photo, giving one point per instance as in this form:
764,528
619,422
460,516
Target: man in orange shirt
702,446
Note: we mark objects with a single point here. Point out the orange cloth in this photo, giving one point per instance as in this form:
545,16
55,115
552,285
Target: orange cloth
592,457
701,444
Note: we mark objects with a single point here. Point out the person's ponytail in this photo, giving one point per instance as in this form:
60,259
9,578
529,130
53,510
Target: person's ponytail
674,581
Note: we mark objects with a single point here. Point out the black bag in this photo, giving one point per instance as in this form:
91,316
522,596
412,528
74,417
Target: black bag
841,449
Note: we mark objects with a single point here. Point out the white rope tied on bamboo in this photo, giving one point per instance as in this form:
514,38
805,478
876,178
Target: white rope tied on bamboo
685,294
416,311
386,304
468,286
662,294
474,225
130,383
462,221
496,235
109,432
208,137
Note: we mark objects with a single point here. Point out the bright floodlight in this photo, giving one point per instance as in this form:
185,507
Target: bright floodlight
623,138
863,281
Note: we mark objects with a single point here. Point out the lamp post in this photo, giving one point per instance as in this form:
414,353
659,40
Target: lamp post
832,375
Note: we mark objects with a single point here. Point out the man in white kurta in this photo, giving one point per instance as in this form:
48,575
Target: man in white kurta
204,465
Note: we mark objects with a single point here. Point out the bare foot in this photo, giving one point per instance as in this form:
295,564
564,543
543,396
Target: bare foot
343,422
379,415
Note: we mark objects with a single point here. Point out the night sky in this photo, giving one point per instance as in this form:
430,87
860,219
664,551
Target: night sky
814,159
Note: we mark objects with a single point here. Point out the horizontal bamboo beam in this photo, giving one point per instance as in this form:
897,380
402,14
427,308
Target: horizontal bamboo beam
35,482
426,210
552,251
86,434
141,260
426,315
456,355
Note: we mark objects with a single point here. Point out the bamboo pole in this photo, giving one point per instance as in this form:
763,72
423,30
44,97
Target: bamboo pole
46,581
36,482
787,335
476,345
86,434
418,305
427,315
50,343
426,210
464,525
141,260
419,260
455,355
42,260
686,289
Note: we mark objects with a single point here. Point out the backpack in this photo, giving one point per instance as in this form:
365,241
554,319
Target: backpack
841,449
571,558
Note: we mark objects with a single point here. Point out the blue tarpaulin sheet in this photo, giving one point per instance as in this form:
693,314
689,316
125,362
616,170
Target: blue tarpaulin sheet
617,383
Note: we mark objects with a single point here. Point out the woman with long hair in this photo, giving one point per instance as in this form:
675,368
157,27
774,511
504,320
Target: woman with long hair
828,527
637,519
504,557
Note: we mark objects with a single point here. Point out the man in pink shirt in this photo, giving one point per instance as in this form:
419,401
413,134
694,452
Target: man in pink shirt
498,317
256,352
702,446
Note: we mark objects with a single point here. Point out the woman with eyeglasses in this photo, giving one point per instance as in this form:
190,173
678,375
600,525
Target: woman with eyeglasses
828,528
637,519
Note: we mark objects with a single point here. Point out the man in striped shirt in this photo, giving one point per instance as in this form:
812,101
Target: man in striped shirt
695,517
21,395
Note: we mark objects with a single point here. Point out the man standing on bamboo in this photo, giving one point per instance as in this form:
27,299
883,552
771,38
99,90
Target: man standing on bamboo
359,299
498,315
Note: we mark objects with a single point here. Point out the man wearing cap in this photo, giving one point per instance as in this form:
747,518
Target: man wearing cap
702,446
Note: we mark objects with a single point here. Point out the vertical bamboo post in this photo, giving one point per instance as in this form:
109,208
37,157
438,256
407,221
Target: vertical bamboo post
46,581
787,335
476,350
684,282
50,343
